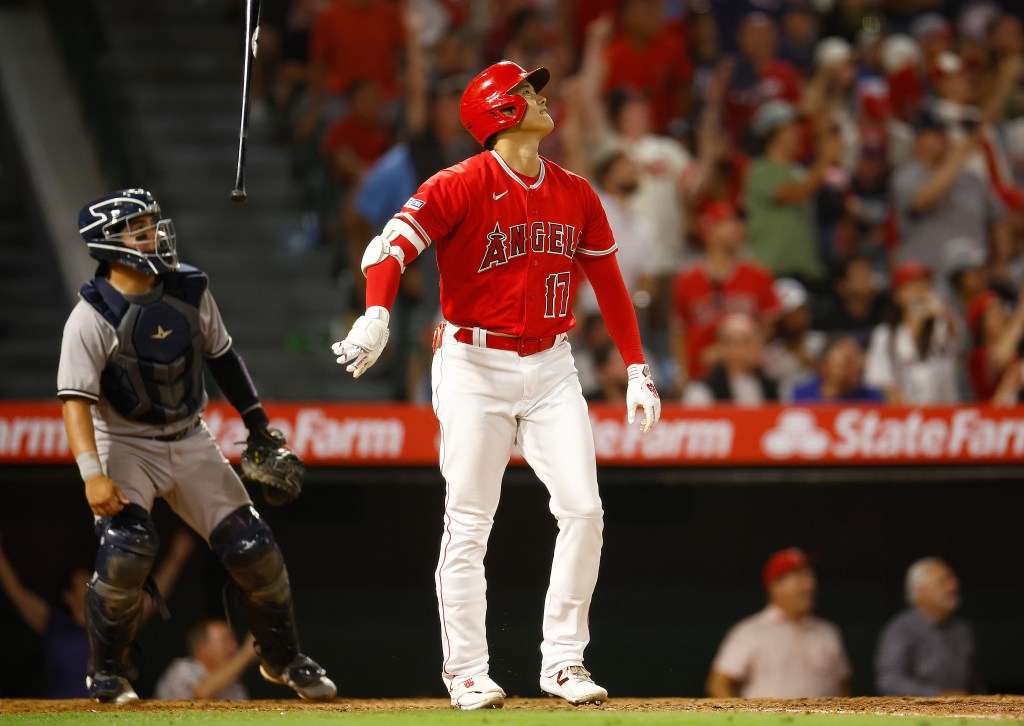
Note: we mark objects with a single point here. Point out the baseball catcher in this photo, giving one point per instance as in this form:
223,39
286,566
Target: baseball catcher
131,382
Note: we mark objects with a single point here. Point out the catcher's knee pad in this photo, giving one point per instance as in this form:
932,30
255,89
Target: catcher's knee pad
113,598
246,546
128,547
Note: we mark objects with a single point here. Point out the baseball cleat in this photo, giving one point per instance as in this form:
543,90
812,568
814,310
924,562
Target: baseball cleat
573,683
110,688
304,676
475,692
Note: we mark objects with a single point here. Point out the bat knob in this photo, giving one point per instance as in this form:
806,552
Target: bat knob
238,196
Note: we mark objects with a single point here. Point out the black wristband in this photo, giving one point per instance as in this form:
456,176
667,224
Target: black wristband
255,419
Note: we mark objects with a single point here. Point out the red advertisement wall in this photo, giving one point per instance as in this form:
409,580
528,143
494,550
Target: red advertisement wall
340,434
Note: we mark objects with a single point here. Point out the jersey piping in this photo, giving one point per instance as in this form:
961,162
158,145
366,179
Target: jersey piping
508,170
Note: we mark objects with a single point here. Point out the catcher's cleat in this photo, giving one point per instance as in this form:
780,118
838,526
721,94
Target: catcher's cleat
573,683
479,691
303,676
110,688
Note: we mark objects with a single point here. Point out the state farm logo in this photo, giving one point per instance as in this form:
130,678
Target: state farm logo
796,433
894,434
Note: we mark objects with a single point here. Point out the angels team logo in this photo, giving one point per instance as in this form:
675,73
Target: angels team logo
552,238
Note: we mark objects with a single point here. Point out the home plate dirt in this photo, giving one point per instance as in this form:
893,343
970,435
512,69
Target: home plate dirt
1010,707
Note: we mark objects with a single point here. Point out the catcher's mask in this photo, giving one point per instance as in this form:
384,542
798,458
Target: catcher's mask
106,225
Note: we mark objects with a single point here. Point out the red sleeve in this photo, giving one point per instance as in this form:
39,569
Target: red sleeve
437,206
597,239
382,283
615,303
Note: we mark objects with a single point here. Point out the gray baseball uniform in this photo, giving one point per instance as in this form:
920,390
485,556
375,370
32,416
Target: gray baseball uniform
191,474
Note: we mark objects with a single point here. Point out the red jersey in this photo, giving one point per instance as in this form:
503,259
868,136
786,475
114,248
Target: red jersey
700,302
659,69
505,246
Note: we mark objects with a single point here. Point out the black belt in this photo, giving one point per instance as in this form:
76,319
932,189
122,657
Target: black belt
179,435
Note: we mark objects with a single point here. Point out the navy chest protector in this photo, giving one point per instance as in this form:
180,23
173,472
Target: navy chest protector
156,374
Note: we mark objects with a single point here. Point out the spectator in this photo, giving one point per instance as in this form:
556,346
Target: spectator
648,55
854,305
998,333
738,378
617,179
934,36
900,58
213,668
710,288
351,39
62,627
611,375
913,357
719,171
957,105
627,123
784,651
780,194
791,356
354,142
760,77
927,650
800,32
840,377
937,200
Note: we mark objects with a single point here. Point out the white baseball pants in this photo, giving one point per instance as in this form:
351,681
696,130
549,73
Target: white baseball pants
486,401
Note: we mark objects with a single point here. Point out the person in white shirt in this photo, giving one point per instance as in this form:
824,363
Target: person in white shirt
784,651
914,358
214,668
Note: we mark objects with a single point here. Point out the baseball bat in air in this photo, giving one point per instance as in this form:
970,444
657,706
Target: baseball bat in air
252,32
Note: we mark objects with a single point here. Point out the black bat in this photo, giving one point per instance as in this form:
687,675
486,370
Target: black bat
252,32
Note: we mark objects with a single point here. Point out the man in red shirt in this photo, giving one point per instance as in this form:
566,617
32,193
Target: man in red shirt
512,232
651,57
721,283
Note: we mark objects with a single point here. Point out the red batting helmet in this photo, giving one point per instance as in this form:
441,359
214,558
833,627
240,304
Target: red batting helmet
487,96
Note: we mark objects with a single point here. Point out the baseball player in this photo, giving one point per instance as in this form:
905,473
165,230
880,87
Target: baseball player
512,232
131,382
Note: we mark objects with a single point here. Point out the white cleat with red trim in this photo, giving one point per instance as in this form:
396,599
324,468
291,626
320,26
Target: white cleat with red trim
573,683
475,692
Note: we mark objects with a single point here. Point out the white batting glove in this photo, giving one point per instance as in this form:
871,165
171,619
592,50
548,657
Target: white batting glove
640,391
365,342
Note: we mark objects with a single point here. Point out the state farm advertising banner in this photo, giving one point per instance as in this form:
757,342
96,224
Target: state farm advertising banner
339,434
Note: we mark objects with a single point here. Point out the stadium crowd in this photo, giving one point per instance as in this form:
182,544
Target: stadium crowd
814,200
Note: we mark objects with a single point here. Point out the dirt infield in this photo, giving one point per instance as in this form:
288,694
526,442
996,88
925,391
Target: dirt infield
1008,707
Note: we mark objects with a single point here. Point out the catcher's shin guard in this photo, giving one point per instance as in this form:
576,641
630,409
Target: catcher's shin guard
113,598
247,548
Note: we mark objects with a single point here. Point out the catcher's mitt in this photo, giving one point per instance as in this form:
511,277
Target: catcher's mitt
267,461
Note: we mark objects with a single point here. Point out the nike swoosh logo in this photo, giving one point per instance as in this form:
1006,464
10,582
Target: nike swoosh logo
499,196
160,333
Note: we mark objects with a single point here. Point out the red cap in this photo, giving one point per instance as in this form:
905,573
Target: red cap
977,307
712,214
783,562
907,271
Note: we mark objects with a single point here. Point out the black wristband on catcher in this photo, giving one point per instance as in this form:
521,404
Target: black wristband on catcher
255,419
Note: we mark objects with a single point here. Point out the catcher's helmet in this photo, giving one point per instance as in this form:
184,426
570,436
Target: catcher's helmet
487,97
103,224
